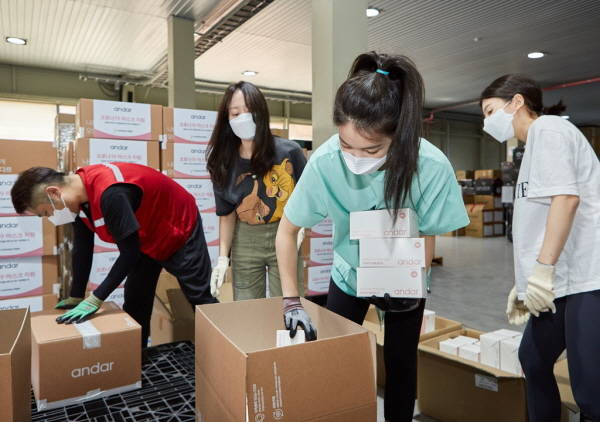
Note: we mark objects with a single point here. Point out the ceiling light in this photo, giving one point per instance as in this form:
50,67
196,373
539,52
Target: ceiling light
249,73
536,55
16,40
372,12
565,117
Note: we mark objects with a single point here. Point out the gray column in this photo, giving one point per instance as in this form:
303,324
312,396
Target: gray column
339,34
181,63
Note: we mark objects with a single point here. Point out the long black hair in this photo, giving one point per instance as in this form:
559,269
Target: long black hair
387,104
507,86
224,145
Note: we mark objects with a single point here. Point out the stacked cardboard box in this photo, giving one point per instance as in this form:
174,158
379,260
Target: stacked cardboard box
392,257
456,386
28,262
484,222
317,251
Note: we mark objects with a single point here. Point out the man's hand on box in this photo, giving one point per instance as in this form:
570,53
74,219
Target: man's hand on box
82,311
294,316
69,303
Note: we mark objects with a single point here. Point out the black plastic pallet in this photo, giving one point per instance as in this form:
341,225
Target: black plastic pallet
167,393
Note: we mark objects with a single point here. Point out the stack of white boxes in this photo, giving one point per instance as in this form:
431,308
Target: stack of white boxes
317,251
392,256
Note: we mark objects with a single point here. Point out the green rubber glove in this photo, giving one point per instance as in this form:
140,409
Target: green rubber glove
82,311
68,303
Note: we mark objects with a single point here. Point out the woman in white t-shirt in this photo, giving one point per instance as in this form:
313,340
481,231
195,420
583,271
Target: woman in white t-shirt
556,231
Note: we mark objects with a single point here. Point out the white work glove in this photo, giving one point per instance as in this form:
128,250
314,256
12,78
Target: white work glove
516,311
218,275
300,238
540,294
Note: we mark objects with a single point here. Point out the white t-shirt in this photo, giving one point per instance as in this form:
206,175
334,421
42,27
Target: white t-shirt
558,160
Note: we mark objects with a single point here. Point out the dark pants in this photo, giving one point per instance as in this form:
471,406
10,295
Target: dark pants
190,264
576,327
402,331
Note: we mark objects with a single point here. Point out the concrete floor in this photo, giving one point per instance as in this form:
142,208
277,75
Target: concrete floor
471,286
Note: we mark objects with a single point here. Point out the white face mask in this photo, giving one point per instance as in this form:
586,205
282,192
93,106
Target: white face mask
363,165
243,126
60,217
499,125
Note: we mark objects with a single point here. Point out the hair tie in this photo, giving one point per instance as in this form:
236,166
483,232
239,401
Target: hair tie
383,72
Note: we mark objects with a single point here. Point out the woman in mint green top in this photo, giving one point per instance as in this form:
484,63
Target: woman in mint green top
377,161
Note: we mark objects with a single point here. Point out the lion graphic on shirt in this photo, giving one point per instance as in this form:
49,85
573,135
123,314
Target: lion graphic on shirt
279,184
252,209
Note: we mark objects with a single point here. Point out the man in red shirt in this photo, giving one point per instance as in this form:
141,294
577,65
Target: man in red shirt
152,219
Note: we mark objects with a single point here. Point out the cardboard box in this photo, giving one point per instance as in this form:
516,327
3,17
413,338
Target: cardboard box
172,320
490,346
402,282
371,323
34,303
392,252
456,233
509,355
240,372
187,125
323,229
180,160
464,174
118,120
490,202
101,266
30,276
378,224
202,190
454,389
471,351
15,366
316,280
213,253
487,187
318,250
104,357
210,224
6,206
499,216
499,229
18,156
570,407
487,174
89,151
453,345
117,297
27,236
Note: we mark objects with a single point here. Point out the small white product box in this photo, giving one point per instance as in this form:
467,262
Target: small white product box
428,324
377,224
401,282
284,339
470,351
490,346
452,345
392,252
509,355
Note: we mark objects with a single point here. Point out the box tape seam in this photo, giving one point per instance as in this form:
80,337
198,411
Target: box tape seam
92,338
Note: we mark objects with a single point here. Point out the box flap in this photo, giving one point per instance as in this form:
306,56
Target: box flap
180,306
432,347
109,319
280,382
13,323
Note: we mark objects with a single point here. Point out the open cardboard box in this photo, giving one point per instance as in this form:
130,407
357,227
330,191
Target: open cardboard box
454,389
15,366
371,323
242,376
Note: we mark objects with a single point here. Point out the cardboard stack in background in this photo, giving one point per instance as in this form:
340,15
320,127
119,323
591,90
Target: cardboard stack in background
485,207
28,243
317,252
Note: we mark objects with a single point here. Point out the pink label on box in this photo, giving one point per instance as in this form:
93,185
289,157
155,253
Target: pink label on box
323,229
102,246
108,151
318,279
189,160
21,236
210,224
101,265
202,190
114,119
321,251
21,277
34,303
195,126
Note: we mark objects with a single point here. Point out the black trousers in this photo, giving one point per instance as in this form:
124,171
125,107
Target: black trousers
190,264
402,331
574,326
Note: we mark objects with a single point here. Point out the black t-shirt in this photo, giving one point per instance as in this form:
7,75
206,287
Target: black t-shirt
119,204
261,200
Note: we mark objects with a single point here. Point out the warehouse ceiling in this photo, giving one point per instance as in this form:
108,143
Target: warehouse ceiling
459,45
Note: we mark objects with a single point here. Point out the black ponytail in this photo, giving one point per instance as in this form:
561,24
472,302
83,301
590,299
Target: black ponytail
507,86
384,95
